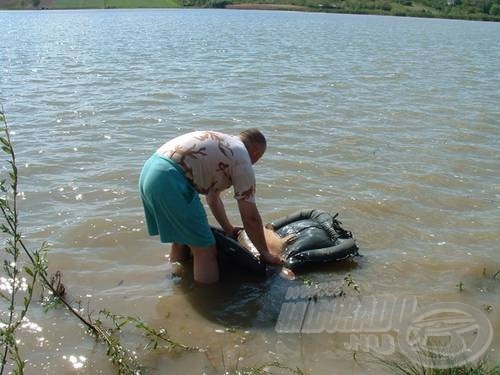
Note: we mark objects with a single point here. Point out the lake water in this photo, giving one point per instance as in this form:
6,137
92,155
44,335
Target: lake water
392,122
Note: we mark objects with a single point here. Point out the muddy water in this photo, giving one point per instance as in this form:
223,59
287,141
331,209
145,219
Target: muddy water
392,122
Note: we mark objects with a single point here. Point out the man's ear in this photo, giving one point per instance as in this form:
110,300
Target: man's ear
255,153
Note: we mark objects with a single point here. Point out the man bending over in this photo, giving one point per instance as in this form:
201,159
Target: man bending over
207,163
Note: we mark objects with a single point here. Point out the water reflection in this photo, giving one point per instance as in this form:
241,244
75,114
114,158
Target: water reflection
76,361
9,285
244,300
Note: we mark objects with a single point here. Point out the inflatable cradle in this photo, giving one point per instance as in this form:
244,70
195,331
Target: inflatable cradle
303,238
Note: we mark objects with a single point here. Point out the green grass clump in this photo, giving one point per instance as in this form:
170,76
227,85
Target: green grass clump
77,4
401,365
87,4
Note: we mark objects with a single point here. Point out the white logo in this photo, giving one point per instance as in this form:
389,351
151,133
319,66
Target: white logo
440,335
445,334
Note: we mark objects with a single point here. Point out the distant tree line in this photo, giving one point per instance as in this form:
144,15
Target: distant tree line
463,9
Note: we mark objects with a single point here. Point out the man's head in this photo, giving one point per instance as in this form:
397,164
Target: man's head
255,142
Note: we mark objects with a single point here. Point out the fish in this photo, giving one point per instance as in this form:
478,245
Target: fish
275,245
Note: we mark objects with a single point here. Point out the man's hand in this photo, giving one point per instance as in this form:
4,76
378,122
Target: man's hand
269,258
235,231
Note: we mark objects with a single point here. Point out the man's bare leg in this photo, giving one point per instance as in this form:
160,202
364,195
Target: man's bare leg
206,268
179,253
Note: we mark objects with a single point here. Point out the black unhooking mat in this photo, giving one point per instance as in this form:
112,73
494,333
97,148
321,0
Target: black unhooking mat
320,238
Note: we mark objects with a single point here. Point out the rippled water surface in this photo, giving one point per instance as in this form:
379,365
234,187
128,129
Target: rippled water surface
392,122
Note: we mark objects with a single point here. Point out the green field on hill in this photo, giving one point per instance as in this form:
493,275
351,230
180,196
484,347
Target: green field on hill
87,4
487,10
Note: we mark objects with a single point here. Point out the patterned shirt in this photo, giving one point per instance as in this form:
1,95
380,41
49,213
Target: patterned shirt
213,161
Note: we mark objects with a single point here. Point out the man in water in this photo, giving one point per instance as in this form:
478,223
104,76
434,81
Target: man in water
202,162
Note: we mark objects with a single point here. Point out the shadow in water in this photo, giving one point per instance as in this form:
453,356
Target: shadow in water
242,300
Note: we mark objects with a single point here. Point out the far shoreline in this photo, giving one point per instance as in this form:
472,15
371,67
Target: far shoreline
298,8
326,9
257,6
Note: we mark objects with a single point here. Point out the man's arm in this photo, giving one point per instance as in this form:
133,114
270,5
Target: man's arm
219,212
252,223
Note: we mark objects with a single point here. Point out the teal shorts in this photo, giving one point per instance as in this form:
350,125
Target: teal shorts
172,206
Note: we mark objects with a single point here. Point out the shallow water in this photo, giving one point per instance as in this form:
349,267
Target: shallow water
392,122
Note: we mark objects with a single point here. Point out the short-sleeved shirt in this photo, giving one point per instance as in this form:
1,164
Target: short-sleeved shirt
212,162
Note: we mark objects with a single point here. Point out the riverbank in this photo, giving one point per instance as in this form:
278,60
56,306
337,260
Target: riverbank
478,10
400,8
257,6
